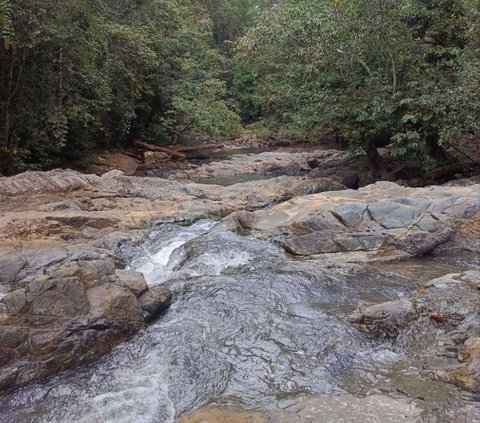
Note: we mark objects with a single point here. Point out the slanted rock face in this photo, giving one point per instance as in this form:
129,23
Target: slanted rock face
383,217
65,299
72,309
442,320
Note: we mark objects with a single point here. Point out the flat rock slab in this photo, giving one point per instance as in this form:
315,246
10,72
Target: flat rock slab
319,408
383,217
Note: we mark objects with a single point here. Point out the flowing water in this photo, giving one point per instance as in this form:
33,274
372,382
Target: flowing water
249,326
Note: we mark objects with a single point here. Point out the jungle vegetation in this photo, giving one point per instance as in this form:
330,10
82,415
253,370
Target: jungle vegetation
86,74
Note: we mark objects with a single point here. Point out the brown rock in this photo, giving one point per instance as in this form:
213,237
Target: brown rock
154,301
14,301
112,303
468,375
154,158
66,298
220,415
133,281
318,408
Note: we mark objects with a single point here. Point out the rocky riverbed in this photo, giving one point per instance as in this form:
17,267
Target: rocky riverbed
69,295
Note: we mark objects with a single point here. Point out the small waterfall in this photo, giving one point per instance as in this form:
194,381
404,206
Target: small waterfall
249,326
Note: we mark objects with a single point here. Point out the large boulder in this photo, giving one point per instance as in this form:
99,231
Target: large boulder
378,219
70,309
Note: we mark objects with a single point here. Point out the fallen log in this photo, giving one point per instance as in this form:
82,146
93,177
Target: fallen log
150,147
448,171
201,147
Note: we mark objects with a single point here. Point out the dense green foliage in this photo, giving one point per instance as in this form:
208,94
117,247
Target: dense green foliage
374,72
76,75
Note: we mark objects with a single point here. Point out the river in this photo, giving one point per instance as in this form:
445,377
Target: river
249,326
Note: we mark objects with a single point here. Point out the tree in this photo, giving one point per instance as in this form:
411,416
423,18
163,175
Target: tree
376,72
77,75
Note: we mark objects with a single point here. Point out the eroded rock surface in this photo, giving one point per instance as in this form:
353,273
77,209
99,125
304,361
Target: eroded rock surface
319,408
383,219
442,321
67,305
64,296
267,163
66,299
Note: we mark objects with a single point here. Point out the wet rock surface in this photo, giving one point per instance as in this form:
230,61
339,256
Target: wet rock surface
442,321
254,328
69,310
66,297
64,292
314,409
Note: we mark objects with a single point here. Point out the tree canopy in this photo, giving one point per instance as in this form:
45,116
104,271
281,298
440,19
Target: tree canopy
375,72
76,75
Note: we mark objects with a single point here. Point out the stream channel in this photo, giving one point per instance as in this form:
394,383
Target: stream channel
249,326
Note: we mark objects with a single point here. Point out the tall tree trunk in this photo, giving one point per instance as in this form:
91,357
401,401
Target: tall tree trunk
9,59
11,78
376,161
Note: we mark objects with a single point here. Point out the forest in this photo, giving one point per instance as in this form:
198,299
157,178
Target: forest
239,211
97,74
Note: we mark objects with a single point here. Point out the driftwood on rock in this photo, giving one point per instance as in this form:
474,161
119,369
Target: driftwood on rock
150,147
201,147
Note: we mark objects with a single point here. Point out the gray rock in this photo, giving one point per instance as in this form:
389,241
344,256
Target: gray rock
464,207
113,174
313,243
391,214
10,267
417,202
8,377
57,180
429,224
439,321
14,301
12,337
385,319
368,241
351,214
39,286
419,242
318,223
